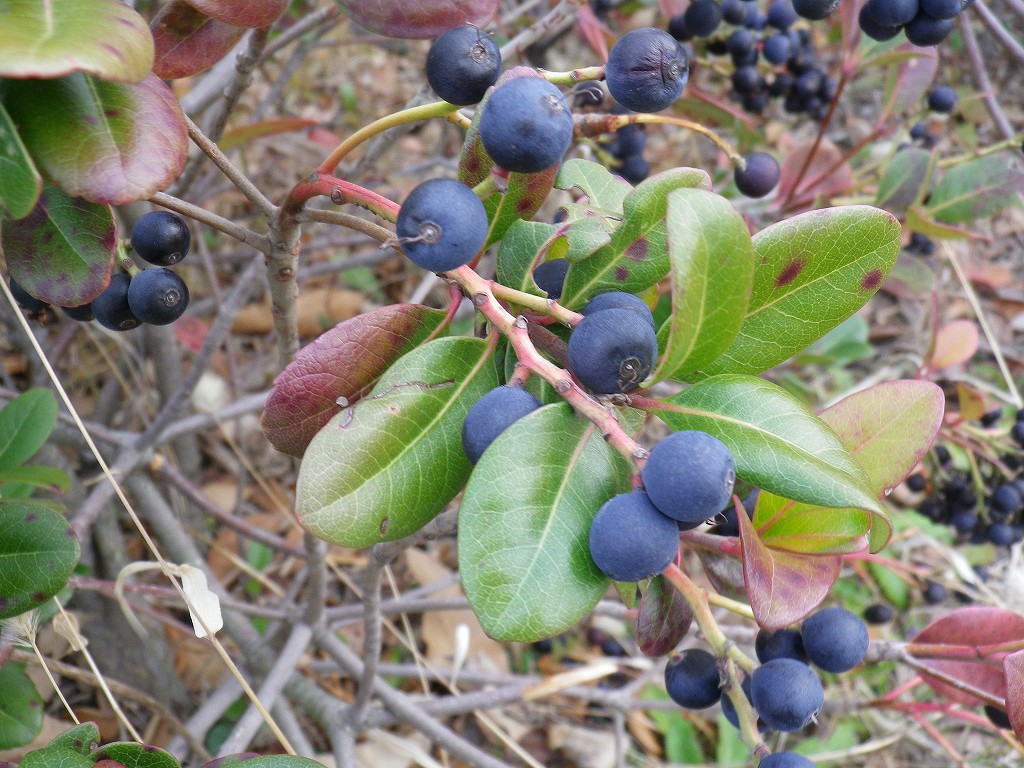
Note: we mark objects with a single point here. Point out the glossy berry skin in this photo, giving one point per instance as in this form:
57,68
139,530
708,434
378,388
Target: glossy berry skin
815,10
550,277
81,313
879,613
161,238
647,70
760,177
786,694
785,760
111,309
630,540
835,639
24,299
462,64
619,300
491,415
526,125
612,351
692,679
157,296
777,48
689,476
442,225
779,644
942,99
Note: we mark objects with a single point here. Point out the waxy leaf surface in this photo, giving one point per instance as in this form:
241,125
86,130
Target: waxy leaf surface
38,551
25,424
524,525
604,191
342,364
131,754
22,183
517,251
188,42
383,468
418,19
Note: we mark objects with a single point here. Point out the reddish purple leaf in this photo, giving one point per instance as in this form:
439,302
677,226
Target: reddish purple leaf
663,618
188,42
419,19
344,362
955,343
972,626
1013,671
783,587
914,76
242,13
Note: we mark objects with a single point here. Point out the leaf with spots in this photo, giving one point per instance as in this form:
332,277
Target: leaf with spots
81,738
21,708
188,42
384,467
418,19
107,142
63,251
22,183
975,190
44,40
38,551
131,754
342,365
637,256
525,555
711,268
811,273
526,194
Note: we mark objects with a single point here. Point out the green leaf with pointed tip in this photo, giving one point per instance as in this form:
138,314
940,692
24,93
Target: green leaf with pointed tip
22,183
711,265
893,587
25,425
131,754
637,257
518,248
777,443
21,708
57,37
383,468
526,194
63,251
975,190
604,191
904,177
129,139
82,739
811,273
524,525
38,552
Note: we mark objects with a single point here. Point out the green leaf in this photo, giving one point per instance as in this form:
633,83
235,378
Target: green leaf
524,525
131,754
711,267
63,251
904,177
39,476
730,749
918,221
777,443
22,183
38,552
518,249
129,139
808,528
637,257
976,190
526,194
50,757
21,708
383,468
682,744
57,37
25,425
812,272
81,738
892,586
604,191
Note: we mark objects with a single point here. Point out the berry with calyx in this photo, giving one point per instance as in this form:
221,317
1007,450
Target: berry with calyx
815,10
82,313
161,238
878,613
942,99
785,760
462,64
612,351
111,309
786,694
442,225
491,415
550,277
835,639
647,70
690,476
779,644
619,300
25,300
692,679
630,540
526,125
760,176
157,296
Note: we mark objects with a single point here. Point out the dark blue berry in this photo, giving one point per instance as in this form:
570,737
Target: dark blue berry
730,711
924,31
491,415
157,296
785,760
550,277
619,300
941,9
82,313
934,593
747,80
647,70
161,238
692,679
111,309
1000,534
630,140
998,717
786,694
777,48
760,176
635,169
892,13
630,540
677,28
917,482
526,125
442,225
1007,499
781,14
942,99
779,644
702,17
964,521
690,475
612,351
25,300
815,10
878,613
734,11
835,639
462,64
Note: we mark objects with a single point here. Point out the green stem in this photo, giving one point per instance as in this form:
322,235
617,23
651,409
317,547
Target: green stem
537,304
1011,143
573,76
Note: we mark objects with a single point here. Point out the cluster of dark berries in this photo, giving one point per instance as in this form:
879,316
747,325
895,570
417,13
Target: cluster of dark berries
627,148
156,296
925,22
749,36
785,692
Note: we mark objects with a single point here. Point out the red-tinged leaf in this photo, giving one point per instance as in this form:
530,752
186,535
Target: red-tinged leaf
918,221
912,78
242,13
189,42
526,194
847,15
343,363
1013,671
129,139
955,343
663,618
971,626
592,30
828,173
418,19
243,134
191,332
809,529
975,190
783,587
